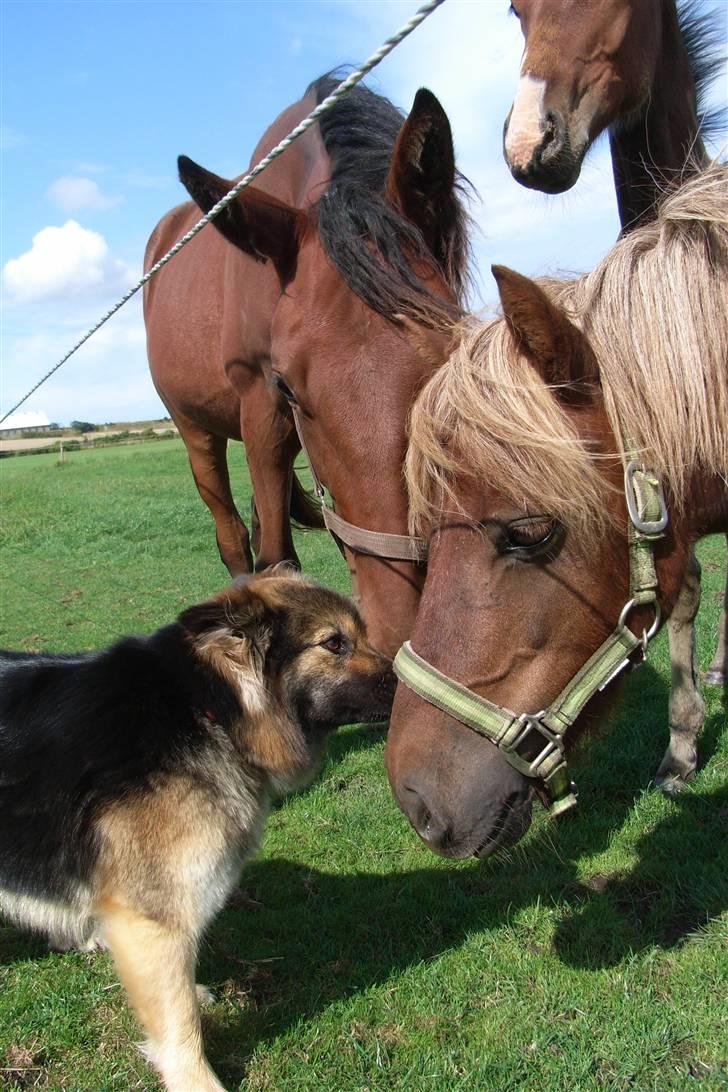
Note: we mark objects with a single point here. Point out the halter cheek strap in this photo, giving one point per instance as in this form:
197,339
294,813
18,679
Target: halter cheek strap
359,539
533,743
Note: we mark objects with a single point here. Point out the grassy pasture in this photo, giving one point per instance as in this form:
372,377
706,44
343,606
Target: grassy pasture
593,956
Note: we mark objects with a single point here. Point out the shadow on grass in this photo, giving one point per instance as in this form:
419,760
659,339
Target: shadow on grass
320,937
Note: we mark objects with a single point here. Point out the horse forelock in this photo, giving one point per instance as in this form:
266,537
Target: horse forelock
654,312
379,253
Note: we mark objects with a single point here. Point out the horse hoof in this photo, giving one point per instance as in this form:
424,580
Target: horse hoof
715,676
670,786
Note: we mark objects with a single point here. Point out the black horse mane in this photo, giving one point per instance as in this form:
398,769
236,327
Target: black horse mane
704,39
371,244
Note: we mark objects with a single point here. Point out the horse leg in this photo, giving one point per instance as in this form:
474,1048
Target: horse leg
271,445
686,705
208,461
717,673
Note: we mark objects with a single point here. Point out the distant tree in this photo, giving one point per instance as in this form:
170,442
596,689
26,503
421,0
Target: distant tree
82,426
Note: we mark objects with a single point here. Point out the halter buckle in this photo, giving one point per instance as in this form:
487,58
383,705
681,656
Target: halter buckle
648,527
532,722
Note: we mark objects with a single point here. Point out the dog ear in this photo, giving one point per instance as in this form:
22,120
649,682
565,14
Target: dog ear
239,612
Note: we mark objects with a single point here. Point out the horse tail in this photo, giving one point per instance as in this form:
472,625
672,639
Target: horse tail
305,508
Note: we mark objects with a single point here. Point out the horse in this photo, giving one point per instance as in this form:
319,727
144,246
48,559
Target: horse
327,292
561,464
639,69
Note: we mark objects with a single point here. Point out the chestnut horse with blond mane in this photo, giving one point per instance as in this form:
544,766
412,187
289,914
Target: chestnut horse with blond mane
638,69
515,471
327,290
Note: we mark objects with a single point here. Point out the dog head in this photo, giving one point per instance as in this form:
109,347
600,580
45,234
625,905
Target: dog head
297,659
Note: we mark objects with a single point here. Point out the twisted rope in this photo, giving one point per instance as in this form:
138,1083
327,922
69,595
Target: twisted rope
419,17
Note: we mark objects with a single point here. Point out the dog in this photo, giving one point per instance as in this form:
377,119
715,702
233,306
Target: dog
135,781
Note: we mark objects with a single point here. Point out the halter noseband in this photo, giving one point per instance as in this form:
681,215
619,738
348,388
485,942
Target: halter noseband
360,539
533,743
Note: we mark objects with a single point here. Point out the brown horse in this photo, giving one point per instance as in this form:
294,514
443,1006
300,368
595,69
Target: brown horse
515,472
326,287
637,68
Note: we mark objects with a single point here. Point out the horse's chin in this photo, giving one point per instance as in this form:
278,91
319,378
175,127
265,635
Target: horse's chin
514,825
554,179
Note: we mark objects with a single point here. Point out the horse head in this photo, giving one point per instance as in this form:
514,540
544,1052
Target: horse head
368,280
534,468
585,67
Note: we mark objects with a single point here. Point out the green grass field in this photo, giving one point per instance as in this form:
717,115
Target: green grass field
592,956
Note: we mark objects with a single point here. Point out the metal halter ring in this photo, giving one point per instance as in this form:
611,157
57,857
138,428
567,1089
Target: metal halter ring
647,634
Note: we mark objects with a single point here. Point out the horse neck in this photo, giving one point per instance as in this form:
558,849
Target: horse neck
300,175
656,146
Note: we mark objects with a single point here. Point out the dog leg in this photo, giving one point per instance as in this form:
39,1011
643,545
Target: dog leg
156,965
686,705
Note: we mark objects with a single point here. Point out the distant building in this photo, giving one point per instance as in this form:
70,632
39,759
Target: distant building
18,423
27,430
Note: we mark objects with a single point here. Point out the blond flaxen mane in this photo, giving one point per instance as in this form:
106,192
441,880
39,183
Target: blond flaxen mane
655,311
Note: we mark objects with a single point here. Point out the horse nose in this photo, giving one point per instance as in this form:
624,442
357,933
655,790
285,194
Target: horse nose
552,166
432,827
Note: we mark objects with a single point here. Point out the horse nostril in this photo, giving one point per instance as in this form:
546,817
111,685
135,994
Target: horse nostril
552,139
549,133
437,833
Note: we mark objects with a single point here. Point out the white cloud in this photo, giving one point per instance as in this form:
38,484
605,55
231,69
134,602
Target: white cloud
64,263
73,193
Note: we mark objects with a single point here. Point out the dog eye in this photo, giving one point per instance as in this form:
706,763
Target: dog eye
530,536
334,643
283,388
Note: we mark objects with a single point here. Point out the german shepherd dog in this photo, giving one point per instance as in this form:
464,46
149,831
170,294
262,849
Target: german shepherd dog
135,781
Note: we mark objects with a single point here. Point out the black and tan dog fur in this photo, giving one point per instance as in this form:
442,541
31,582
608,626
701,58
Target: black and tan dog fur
135,781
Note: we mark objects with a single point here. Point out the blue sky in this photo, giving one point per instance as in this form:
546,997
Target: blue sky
99,97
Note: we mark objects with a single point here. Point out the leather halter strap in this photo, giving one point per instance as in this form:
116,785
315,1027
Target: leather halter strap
360,539
533,743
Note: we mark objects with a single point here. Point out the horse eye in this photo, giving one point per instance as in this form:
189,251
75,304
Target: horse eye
284,389
512,10
530,536
334,643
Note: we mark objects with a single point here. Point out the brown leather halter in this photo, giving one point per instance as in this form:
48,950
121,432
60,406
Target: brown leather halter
360,539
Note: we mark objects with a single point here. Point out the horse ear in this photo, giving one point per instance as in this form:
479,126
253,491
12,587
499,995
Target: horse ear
552,343
421,178
257,223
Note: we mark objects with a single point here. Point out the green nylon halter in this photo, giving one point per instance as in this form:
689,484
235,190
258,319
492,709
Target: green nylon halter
512,732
